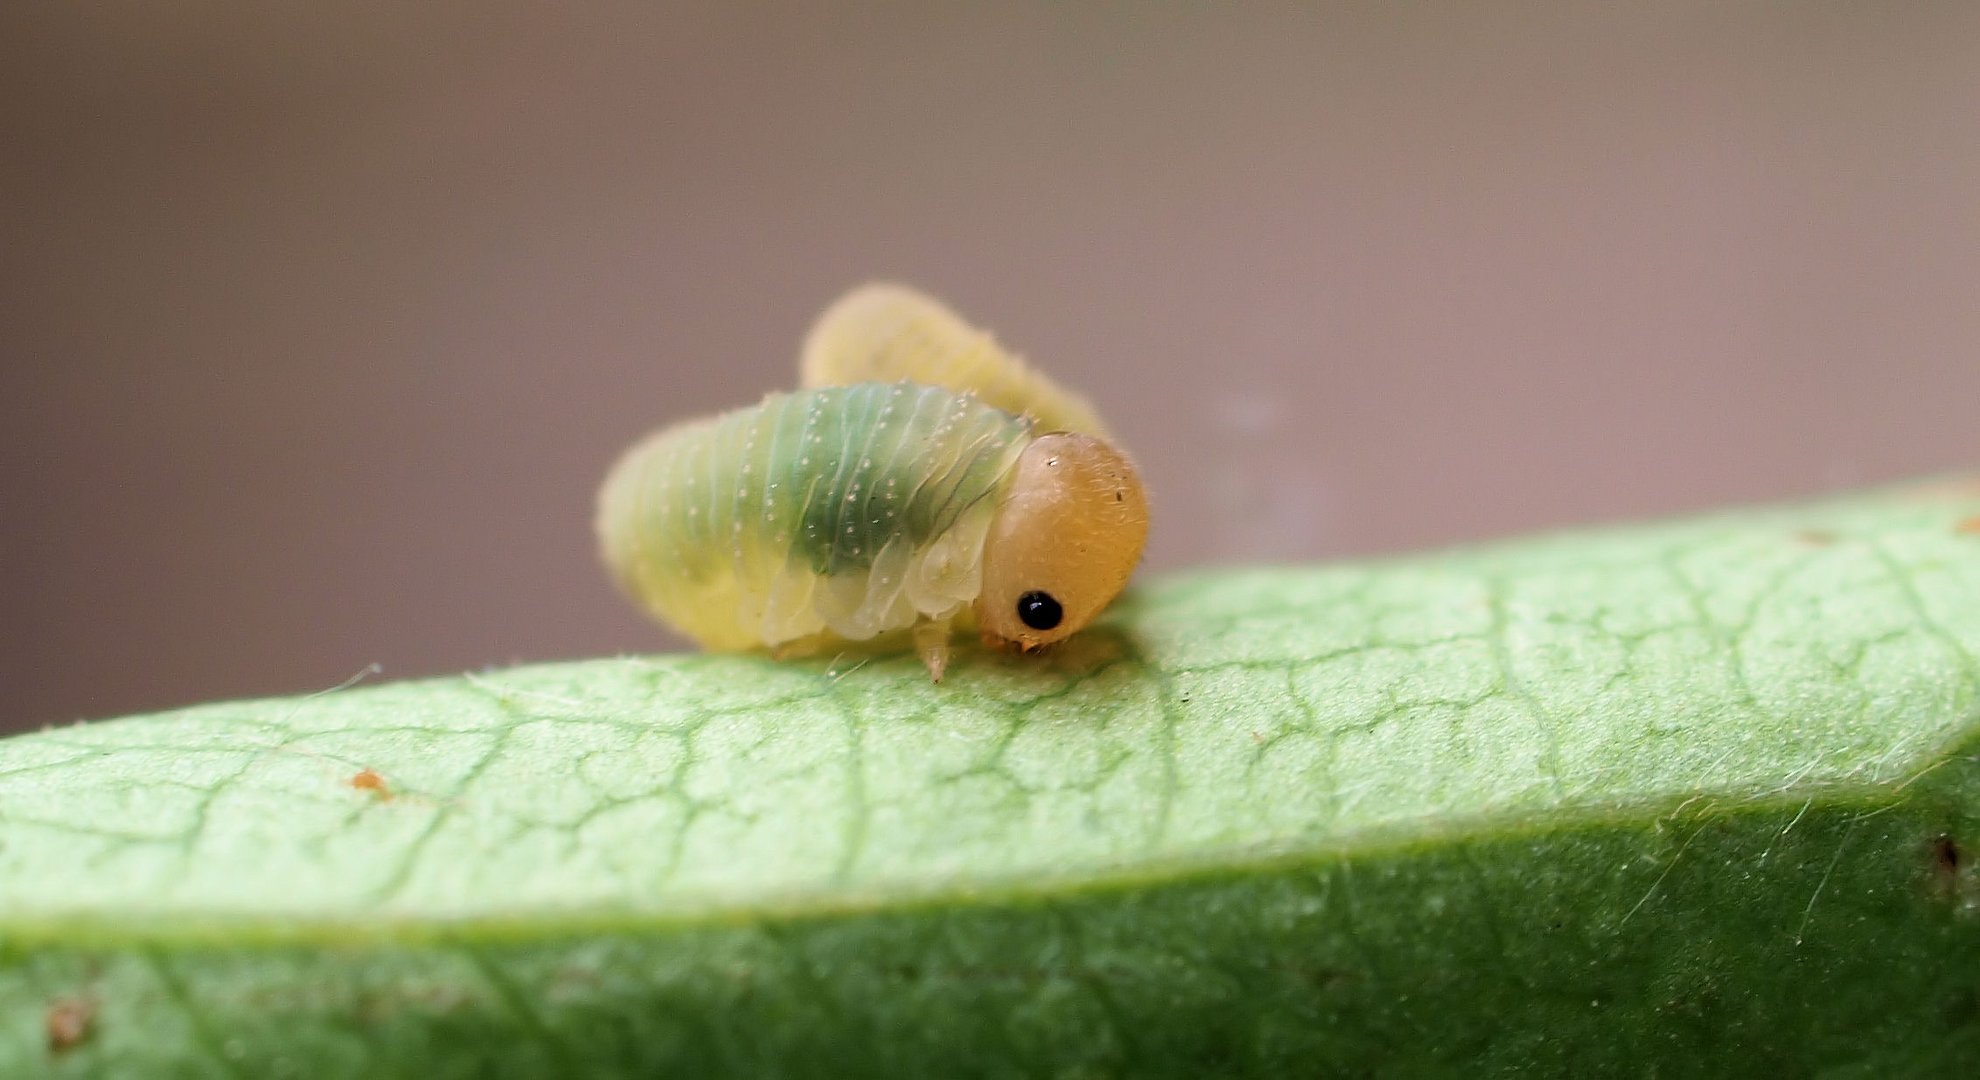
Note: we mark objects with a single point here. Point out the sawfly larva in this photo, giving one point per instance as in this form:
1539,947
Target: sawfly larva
845,512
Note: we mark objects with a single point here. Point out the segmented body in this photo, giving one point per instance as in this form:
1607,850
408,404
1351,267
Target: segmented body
885,332
853,510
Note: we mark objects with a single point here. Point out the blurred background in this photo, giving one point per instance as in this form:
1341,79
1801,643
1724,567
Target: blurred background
320,323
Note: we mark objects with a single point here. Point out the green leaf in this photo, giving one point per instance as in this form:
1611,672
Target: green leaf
1644,800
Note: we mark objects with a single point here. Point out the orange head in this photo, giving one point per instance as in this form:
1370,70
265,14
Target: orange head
1067,535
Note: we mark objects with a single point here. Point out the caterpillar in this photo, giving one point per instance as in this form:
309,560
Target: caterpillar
958,492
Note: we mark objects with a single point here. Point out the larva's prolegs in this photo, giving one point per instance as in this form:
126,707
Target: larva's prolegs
931,643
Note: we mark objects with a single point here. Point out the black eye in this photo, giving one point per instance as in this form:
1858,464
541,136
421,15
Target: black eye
1039,611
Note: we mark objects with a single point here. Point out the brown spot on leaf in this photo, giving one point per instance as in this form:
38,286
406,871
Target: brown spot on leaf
1816,537
368,780
68,1023
1946,854
1952,876
1968,526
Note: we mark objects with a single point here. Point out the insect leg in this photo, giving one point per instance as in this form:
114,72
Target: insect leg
931,642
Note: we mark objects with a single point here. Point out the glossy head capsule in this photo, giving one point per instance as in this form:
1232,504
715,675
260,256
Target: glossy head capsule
1065,540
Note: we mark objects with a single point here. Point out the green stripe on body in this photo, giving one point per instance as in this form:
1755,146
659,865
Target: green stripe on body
913,459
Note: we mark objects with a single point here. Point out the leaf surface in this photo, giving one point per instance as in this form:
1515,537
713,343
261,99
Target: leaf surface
1632,799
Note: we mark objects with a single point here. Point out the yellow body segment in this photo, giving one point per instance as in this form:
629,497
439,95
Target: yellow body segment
885,333
845,512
